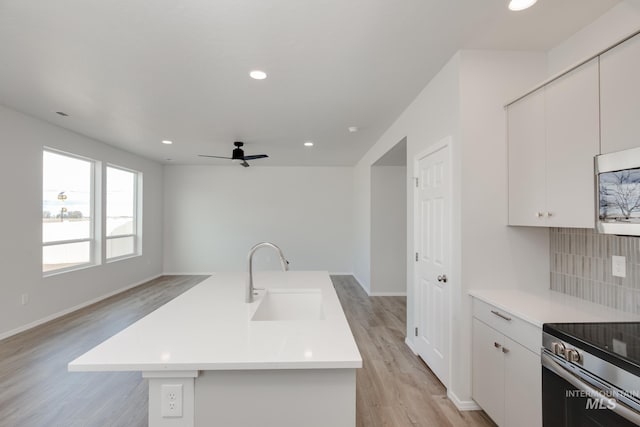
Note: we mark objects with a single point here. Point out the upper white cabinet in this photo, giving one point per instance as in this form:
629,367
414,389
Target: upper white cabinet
527,160
553,136
620,96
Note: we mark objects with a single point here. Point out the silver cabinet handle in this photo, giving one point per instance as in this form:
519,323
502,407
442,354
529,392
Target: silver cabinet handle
502,316
505,350
549,214
539,214
443,278
496,345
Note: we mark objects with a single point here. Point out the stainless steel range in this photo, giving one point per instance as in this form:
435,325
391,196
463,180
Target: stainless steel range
591,374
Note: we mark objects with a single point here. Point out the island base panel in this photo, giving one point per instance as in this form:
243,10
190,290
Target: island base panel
276,398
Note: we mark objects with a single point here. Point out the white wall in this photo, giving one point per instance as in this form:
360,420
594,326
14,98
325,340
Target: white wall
388,230
215,214
432,116
465,101
619,22
22,139
493,254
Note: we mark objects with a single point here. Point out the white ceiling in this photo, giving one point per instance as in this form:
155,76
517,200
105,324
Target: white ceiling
134,72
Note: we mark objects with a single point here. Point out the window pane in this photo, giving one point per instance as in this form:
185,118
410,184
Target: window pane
66,198
65,255
120,247
120,202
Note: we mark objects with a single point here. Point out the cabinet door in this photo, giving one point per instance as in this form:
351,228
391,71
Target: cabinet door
620,96
488,370
523,386
573,136
526,139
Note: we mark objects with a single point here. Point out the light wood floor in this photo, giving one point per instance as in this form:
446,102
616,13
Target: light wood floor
394,388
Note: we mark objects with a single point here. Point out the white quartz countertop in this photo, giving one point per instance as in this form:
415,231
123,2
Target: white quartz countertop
209,328
549,306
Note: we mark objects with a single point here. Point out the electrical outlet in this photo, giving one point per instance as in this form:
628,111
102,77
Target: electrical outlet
619,266
171,401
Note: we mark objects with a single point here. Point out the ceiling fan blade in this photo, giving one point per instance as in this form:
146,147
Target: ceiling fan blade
255,156
215,157
245,164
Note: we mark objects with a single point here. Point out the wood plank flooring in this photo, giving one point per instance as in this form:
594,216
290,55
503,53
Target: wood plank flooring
394,388
37,391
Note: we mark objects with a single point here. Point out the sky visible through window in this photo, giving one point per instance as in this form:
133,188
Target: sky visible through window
68,175
120,201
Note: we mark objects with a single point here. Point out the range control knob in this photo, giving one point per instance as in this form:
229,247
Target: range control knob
558,348
572,355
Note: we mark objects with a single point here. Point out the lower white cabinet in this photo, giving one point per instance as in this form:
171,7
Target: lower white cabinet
507,378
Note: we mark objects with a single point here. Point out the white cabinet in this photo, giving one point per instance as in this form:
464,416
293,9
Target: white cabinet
620,96
553,136
522,386
488,371
507,375
527,159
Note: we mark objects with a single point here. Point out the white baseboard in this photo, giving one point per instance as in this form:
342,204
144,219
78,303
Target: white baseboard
360,283
463,405
388,294
74,308
341,273
409,344
190,273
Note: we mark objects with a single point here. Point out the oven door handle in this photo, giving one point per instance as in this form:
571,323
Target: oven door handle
613,404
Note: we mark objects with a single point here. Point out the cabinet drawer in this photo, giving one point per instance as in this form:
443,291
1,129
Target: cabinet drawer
520,331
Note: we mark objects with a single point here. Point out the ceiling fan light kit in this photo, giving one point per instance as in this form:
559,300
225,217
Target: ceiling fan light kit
237,155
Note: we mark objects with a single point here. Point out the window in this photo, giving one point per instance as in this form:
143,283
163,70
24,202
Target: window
122,213
67,211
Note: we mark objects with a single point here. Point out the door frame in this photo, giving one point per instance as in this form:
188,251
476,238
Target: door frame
446,142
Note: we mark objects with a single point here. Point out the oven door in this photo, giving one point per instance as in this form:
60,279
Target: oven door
569,401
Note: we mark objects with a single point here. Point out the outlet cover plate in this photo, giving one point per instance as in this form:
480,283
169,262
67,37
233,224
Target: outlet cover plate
171,401
619,266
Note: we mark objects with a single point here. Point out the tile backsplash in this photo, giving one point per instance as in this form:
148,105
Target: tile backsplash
581,266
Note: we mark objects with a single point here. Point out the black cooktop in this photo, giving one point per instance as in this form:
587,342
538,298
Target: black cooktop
616,342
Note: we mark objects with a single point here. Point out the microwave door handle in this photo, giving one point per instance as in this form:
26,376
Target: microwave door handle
619,408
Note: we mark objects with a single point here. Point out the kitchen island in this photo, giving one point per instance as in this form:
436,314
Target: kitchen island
286,359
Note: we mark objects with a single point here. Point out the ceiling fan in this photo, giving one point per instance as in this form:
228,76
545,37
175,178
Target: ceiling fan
238,155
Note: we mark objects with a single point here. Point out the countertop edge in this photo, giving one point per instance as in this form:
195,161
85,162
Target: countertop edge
217,366
551,307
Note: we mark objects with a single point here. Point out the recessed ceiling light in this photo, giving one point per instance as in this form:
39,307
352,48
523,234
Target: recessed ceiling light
167,142
353,129
517,5
308,144
62,113
258,75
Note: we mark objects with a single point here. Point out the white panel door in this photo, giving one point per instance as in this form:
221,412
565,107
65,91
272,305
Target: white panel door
573,139
522,386
433,261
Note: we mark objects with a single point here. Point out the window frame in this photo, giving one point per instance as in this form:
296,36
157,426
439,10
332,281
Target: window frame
137,214
93,258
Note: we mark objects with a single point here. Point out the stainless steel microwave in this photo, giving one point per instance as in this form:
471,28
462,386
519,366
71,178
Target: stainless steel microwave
618,192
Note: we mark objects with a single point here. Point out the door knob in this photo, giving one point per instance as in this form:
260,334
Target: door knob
442,278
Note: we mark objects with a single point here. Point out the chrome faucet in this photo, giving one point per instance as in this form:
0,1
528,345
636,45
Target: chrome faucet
283,262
